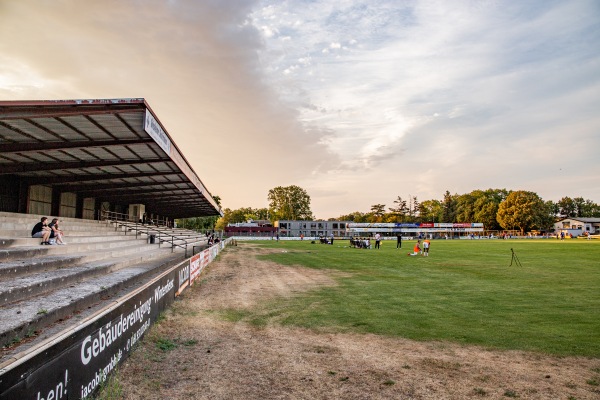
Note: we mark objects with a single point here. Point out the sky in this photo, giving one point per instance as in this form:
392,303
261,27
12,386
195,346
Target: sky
357,102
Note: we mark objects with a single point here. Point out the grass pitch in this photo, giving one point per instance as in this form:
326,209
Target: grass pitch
465,292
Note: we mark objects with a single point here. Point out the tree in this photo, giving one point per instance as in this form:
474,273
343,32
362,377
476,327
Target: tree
200,223
465,206
400,210
243,214
431,211
378,211
591,209
577,207
413,208
290,202
547,220
486,207
567,207
553,208
355,216
523,210
449,207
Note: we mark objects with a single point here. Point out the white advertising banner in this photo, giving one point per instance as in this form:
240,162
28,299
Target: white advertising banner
153,128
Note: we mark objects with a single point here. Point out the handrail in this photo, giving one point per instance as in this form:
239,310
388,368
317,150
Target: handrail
113,215
185,238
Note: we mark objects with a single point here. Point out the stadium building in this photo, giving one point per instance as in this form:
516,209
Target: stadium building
251,228
71,314
577,226
291,228
76,158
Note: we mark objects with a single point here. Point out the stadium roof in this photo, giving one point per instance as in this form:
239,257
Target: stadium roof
114,150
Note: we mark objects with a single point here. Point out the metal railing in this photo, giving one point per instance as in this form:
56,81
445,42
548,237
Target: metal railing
116,216
175,237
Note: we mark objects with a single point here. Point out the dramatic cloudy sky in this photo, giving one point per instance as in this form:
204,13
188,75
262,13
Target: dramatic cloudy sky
358,102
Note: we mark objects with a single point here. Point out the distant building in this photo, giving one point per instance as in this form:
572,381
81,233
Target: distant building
577,226
251,228
311,228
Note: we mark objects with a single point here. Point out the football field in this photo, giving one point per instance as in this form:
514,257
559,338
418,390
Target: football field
466,291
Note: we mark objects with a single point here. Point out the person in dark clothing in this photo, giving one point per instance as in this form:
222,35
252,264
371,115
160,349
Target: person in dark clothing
41,230
399,241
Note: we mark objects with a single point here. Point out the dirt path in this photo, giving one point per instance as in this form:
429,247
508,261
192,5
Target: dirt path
218,359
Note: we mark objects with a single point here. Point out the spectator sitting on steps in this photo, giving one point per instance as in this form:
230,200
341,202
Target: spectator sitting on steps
56,231
41,230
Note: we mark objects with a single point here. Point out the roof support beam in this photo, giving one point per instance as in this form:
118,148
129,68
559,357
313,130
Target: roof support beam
153,193
23,148
90,189
52,166
74,179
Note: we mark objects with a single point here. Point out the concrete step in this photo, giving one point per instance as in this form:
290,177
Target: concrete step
106,248
43,263
77,239
26,234
24,229
26,317
42,282
15,269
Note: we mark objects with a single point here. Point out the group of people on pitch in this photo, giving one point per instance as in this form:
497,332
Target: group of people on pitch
49,233
360,243
418,251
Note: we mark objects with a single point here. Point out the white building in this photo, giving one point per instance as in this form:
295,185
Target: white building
312,228
577,226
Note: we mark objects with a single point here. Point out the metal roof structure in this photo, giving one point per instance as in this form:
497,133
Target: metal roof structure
113,150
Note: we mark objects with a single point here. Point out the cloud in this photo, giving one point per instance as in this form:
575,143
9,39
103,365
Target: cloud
195,63
482,87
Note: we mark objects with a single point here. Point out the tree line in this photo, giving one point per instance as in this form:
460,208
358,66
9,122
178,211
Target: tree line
497,209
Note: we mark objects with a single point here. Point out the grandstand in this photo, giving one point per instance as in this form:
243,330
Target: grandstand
44,284
113,175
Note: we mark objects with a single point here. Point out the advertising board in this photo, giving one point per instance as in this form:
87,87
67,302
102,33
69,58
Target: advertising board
76,365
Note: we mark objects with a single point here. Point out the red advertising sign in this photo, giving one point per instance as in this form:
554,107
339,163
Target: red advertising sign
204,258
195,267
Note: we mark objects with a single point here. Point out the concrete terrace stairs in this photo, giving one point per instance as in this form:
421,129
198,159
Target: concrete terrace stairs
43,287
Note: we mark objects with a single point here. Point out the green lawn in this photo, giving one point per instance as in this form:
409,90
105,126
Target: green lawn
465,291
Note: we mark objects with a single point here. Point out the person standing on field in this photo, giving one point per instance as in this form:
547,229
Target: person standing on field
399,241
377,240
426,245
